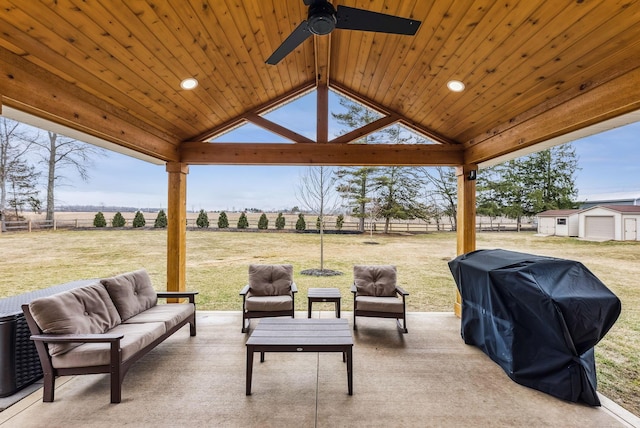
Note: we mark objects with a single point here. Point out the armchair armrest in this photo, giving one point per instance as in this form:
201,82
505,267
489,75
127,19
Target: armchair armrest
244,290
401,290
354,290
294,287
72,338
191,295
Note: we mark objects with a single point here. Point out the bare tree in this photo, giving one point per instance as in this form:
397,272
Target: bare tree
442,191
316,193
59,152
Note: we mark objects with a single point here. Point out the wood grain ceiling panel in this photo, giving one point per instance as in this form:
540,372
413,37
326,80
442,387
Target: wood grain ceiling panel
518,58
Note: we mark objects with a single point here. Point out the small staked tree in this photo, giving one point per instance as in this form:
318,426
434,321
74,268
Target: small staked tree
138,220
203,220
118,220
243,222
280,221
300,223
339,221
99,220
161,220
263,222
223,221
317,193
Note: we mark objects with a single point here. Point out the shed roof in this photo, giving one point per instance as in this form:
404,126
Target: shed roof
624,209
557,213
535,71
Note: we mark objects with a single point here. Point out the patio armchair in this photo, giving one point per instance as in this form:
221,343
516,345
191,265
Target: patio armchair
269,293
376,294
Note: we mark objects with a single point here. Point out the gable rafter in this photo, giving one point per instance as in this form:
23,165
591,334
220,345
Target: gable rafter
387,112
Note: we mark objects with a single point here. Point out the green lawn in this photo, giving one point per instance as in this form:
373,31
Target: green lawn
217,267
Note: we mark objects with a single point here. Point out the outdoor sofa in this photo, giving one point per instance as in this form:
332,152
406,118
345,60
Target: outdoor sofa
104,327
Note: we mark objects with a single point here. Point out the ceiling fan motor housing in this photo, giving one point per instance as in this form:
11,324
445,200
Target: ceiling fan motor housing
322,18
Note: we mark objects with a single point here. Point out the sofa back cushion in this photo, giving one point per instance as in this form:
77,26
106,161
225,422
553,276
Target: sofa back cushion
270,280
379,280
84,310
131,292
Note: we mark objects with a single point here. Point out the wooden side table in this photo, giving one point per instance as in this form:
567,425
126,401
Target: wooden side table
324,295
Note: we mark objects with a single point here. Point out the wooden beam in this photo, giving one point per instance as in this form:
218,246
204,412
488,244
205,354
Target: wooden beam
466,218
277,129
201,153
177,226
272,104
597,104
367,129
27,87
322,46
388,112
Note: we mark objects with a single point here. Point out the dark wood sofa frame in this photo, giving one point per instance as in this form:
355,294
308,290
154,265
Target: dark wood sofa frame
117,368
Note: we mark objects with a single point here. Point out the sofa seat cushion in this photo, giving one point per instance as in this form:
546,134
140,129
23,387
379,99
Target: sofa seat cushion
170,314
84,310
131,292
380,304
270,280
269,303
136,337
377,280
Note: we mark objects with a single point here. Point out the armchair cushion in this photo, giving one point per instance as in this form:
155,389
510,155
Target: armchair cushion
379,281
270,280
85,310
380,304
269,303
131,292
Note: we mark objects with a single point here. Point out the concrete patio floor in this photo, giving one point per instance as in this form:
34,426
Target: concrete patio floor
425,378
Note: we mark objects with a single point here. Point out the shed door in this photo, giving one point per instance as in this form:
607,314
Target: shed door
547,226
630,228
599,227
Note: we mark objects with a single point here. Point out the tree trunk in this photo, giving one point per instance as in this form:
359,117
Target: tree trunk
51,175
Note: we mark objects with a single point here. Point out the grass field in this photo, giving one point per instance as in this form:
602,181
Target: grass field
217,267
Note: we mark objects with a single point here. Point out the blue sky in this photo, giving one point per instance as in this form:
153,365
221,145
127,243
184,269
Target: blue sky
609,162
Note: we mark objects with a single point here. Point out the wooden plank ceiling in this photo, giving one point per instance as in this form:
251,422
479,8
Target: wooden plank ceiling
533,70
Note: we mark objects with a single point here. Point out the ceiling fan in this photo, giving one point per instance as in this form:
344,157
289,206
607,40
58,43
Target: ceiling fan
323,19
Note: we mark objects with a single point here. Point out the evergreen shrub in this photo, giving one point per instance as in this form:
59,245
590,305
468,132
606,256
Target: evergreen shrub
161,220
99,220
203,220
223,221
300,224
263,222
243,222
118,220
280,221
138,220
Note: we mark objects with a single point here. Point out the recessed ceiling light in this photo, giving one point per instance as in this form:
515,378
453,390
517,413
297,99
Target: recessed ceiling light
189,83
455,85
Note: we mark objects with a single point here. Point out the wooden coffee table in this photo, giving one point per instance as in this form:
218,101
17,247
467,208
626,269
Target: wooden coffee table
301,335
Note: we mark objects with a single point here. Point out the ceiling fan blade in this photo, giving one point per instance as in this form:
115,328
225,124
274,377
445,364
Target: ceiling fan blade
299,35
350,18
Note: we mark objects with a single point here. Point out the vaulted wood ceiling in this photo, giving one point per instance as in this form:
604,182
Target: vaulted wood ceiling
534,70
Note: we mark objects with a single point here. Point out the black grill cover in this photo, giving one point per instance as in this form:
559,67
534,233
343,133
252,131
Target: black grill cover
537,317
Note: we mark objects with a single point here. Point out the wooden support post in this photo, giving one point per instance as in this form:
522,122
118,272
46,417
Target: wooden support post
466,217
177,226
